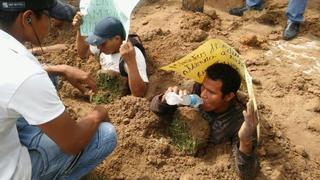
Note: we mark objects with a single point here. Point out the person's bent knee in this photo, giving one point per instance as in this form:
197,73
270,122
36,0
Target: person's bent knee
108,137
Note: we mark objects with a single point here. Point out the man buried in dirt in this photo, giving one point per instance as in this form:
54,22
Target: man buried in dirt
226,116
39,138
115,54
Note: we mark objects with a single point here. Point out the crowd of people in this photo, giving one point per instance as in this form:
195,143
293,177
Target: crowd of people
40,140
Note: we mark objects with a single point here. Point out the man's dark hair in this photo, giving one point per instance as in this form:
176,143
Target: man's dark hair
10,10
229,77
7,18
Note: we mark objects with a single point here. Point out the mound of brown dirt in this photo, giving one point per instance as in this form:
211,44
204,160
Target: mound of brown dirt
286,77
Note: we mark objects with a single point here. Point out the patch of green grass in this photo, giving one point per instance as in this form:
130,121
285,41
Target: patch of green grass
181,138
110,87
102,98
105,81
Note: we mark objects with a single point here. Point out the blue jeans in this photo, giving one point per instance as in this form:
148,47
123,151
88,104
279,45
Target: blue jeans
254,3
295,9
49,162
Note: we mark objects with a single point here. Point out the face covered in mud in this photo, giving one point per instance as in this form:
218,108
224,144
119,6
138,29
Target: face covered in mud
110,46
213,98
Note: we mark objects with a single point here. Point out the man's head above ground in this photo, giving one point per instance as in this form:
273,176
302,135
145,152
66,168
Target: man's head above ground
219,87
230,78
108,35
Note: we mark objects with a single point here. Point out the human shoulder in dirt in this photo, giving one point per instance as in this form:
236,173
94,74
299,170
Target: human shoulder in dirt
226,115
107,42
39,139
294,13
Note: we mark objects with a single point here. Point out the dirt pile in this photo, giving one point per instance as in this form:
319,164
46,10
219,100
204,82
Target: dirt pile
145,149
286,77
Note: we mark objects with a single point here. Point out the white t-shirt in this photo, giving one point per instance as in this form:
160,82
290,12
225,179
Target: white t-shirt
25,90
111,62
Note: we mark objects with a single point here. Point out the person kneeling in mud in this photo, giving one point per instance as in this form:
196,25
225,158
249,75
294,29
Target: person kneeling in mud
115,54
227,118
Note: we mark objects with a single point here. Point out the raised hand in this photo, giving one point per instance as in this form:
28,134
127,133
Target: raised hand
128,53
249,125
247,129
180,92
77,20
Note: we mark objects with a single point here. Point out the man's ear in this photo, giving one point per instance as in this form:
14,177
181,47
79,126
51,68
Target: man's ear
27,18
228,97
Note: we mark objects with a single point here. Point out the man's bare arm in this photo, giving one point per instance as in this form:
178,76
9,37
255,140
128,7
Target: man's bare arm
136,84
46,49
71,136
83,48
75,76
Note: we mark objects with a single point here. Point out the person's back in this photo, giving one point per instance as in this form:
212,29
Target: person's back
14,70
